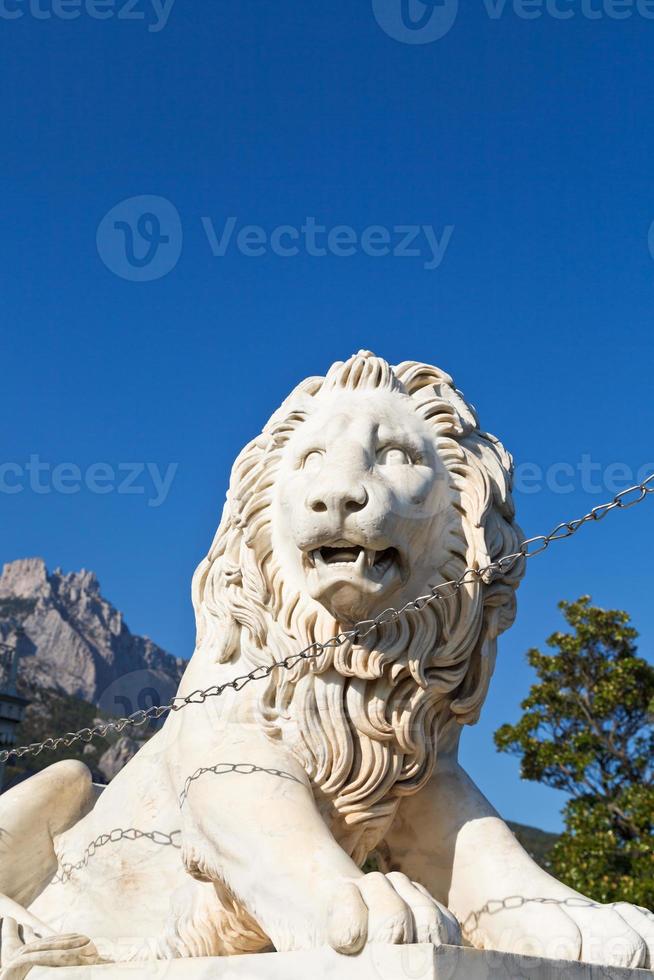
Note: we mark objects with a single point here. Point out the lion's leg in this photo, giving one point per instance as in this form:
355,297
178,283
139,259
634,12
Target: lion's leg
450,838
250,823
32,814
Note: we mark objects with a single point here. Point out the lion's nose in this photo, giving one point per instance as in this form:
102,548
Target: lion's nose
338,500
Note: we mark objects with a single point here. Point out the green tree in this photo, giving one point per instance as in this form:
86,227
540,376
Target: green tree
588,729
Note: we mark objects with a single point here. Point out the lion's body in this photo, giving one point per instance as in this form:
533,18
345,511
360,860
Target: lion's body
363,722
112,890
245,821
120,876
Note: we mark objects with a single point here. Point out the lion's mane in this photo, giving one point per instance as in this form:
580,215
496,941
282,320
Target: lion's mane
366,717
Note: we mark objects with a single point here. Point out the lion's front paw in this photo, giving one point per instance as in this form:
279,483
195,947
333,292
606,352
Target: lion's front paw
387,909
567,927
614,935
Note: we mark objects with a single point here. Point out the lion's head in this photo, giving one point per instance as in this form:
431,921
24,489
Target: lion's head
365,489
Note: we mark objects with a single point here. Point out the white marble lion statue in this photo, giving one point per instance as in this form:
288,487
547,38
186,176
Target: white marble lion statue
243,825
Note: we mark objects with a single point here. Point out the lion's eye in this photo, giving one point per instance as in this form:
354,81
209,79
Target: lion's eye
312,460
393,456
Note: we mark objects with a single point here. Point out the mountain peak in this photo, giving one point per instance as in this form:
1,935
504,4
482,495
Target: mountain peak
75,642
83,581
24,578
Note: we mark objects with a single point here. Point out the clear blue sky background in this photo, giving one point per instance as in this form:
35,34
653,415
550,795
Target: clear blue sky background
533,138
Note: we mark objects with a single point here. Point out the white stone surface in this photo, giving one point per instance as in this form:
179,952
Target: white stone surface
376,962
243,823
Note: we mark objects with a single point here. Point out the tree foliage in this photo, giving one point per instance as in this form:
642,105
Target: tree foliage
588,729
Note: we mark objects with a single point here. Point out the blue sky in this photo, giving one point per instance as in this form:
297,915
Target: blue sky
531,140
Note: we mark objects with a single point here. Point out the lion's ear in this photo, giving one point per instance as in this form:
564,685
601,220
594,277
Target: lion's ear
292,412
415,375
430,383
310,386
300,400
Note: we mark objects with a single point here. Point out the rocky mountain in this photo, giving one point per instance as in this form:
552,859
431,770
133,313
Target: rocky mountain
78,663
74,642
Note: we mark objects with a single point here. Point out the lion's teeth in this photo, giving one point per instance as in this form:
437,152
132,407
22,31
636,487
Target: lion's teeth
370,557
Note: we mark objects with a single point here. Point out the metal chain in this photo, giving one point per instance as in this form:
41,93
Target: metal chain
513,902
529,548
241,768
113,837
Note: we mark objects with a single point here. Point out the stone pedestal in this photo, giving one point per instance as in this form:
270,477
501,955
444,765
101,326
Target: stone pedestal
376,962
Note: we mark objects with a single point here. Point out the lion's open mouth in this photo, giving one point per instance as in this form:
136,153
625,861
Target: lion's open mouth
364,560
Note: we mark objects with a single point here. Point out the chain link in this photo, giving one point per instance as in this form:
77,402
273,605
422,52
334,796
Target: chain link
514,902
241,768
113,837
529,548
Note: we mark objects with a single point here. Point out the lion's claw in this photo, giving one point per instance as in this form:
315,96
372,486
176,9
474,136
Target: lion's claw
390,909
